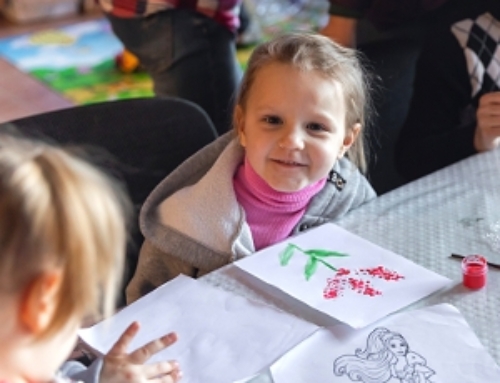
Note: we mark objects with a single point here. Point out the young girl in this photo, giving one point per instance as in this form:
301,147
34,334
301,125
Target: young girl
301,107
62,243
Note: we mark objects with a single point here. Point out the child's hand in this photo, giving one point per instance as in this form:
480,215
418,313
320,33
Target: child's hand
487,136
120,367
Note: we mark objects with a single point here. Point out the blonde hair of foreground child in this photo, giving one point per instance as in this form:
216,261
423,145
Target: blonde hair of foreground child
313,52
62,246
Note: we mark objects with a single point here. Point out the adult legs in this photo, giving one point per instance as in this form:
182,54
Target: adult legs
188,55
394,63
392,56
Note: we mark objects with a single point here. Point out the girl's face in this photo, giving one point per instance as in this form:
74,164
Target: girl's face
398,346
293,126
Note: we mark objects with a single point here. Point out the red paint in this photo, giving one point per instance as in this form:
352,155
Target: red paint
370,291
475,271
357,281
383,273
355,284
333,288
342,271
330,294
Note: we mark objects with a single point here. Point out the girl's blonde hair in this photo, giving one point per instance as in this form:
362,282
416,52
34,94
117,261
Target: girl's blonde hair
58,210
311,52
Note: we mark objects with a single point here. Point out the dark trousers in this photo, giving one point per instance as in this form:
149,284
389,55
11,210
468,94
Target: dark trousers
188,55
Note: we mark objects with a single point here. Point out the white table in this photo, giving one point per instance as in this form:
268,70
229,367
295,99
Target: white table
454,210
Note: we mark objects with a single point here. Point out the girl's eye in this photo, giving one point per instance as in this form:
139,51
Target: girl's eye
316,127
273,120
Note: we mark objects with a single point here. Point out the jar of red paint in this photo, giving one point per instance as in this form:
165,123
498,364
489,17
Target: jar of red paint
475,271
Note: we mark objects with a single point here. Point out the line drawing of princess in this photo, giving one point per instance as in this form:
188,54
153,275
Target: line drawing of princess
386,358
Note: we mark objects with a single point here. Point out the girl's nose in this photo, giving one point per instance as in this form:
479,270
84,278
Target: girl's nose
292,140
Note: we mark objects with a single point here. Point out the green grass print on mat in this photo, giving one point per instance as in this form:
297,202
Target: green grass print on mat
95,84
78,61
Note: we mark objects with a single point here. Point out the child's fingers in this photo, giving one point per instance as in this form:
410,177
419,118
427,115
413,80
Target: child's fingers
121,345
490,98
173,377
157,370
142,354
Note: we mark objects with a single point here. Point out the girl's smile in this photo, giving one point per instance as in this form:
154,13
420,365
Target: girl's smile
288,163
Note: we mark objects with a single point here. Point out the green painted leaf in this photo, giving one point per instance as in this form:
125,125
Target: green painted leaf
325,253
295,247
315,256
326,264
286,255
311,266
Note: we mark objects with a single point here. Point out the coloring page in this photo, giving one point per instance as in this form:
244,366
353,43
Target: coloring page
222,337
430,345
342,275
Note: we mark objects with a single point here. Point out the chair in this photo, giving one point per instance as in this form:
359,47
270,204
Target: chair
146,137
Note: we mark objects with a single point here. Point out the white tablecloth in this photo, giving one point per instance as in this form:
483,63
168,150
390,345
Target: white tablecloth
455,210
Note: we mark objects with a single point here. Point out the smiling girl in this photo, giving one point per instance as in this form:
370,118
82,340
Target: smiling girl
302,106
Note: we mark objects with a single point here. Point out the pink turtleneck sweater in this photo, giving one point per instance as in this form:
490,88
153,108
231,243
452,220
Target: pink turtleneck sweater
271,214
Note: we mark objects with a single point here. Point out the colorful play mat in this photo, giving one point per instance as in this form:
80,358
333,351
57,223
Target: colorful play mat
79,60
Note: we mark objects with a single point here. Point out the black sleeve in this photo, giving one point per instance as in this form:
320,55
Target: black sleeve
432,136
349,8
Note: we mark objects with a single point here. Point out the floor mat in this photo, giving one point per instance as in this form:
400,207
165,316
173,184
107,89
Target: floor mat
79,60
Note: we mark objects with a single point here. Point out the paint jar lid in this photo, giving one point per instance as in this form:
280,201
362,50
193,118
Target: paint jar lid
474,265
474,269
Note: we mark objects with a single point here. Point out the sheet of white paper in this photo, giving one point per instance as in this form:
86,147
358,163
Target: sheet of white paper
222,337
431,345
368,284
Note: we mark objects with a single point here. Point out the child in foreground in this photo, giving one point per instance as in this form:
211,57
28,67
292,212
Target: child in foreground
301,108
62,246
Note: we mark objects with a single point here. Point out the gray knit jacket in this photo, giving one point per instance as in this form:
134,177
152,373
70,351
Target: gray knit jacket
193,224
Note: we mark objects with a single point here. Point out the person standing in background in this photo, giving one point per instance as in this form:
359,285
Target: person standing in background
386,18
390,34
455,110
186,46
